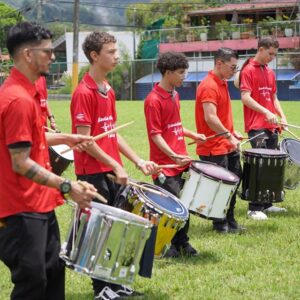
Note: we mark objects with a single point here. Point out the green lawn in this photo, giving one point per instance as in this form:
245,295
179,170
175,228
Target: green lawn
263,263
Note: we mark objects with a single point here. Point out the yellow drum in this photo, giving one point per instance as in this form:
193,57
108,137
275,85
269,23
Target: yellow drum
165,210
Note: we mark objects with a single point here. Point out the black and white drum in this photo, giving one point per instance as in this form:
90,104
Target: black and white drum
263,175
208,189
106,243
292,170
60,162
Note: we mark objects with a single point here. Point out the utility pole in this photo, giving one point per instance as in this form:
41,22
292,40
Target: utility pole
75,45
39,11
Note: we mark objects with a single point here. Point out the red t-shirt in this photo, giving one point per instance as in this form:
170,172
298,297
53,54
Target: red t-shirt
214,90
21,121
162,113
91,108
259,80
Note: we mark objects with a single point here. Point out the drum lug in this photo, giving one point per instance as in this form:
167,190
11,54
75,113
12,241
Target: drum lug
107,255
282,195
260,162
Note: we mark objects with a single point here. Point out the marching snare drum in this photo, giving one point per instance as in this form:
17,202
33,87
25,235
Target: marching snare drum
292,168
263,175
208,189
106,243
165,211
60,162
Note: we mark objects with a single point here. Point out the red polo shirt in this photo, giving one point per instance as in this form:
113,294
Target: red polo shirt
259,80
91,108
21,121
214,90
42,95
162,113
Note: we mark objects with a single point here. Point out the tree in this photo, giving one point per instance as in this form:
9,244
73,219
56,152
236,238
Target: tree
8,17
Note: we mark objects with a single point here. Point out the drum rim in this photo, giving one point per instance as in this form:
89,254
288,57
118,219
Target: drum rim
161,209
210,176
281,154
282,144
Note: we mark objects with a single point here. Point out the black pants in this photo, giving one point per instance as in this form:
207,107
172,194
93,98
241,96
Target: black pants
270,142
174,185
231,162
29,246
111,191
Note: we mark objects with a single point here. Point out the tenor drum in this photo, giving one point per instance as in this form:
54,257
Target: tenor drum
106,243
60,162
165,211
292,168
208,189
263,175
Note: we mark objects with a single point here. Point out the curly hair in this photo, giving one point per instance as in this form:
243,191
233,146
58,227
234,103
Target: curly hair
25,33
171,61
95,41
267,42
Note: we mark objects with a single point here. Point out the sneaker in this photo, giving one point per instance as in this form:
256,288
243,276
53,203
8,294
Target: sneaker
257,215
234,227
187,250
172,252
221,228
107,294
275,209
125,291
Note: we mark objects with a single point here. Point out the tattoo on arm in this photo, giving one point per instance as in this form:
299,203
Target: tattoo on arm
32,171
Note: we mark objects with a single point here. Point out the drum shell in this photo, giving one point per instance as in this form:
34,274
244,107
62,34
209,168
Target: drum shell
263,177
108,244
292,166
207,196
168,223
59,162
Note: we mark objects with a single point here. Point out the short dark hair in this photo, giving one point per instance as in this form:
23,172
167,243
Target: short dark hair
171,61
25,33
95,41
267,42
225,54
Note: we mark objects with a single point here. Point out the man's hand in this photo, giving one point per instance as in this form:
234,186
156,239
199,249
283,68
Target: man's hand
82,195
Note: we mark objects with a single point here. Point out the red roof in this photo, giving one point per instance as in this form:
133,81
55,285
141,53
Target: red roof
250,6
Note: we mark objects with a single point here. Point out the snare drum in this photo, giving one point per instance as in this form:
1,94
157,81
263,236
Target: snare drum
263,175
208,189
106,243
165,211
60,162
292,168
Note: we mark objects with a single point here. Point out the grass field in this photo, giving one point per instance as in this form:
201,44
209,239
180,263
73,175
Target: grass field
262,263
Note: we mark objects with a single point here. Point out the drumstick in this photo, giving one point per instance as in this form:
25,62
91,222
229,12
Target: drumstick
95,194
181,156
168,166
289,125
113,178
210,137
293,134
50,129
100,136
254,137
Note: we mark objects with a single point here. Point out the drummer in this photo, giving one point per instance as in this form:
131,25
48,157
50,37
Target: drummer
166,137
29,191
214,115
93,112
261,109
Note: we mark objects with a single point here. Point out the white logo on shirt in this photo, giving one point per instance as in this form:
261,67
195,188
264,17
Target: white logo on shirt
80,116
265,92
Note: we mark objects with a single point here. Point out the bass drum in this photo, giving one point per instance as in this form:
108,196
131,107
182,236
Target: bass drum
292,168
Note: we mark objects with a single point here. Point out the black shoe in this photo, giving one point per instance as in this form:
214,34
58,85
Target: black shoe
221,227
187,250
234,227
172,252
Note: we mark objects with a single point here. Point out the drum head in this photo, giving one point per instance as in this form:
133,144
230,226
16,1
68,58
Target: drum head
292,148
214,171
59,148
167,203
261,152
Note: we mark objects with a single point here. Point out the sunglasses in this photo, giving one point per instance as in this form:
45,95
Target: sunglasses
233,67
48,51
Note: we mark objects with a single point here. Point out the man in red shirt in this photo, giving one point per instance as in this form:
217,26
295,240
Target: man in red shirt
166,136
213,115
29,191
261,109
93,112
